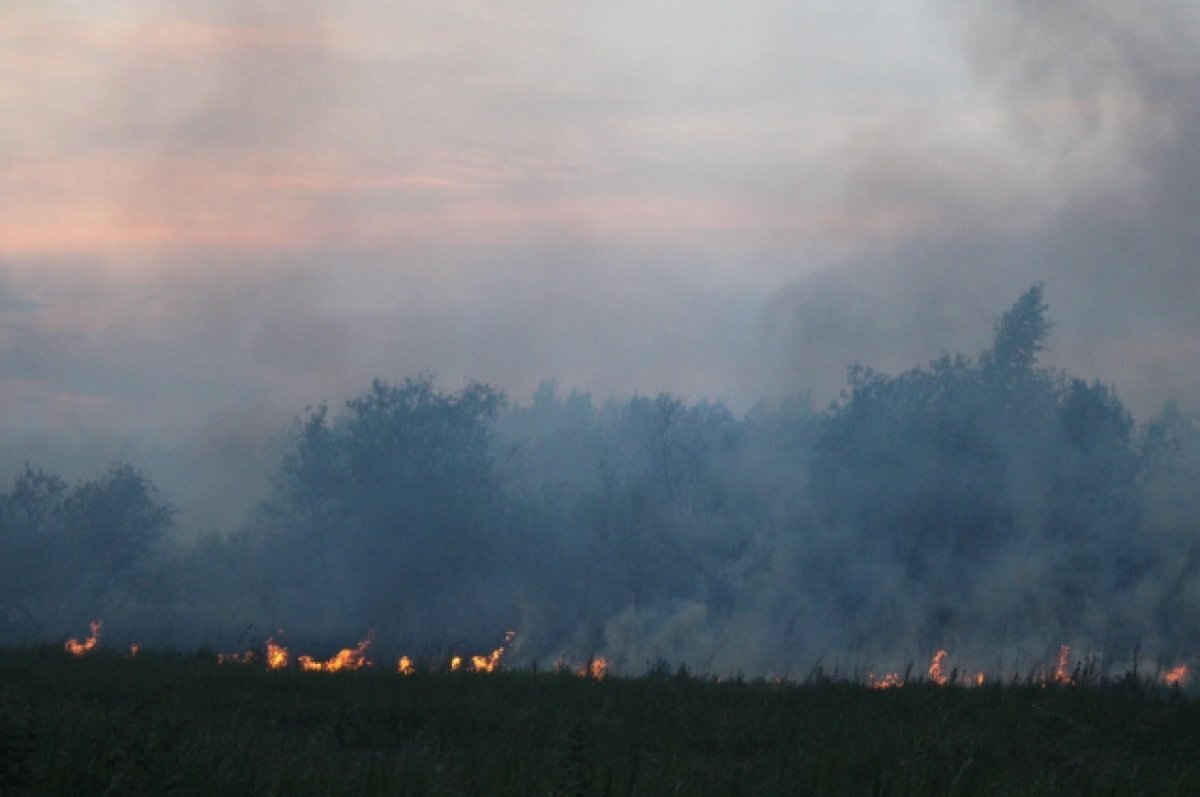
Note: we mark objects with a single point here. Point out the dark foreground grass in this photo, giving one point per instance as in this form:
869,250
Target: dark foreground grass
179,724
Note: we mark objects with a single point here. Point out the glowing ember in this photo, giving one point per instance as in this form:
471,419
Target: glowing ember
890,681
277,655
249,657
1176,676
935,669
598,668
1062,670
405,666
346,659
77,648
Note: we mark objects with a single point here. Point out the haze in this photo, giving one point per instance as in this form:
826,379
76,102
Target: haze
214,215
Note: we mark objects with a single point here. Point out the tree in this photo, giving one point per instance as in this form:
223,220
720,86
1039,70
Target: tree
944,469
394,502
1020,335
83,550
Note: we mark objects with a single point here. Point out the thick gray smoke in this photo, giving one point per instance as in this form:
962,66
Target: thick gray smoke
989,504
986,504
1094,190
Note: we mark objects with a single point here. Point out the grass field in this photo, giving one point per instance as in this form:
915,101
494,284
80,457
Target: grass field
166,723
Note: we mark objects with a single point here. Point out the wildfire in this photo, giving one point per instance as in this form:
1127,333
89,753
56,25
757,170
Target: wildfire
1176,676
890,681
277,655
346,659
490,662
77,648
1062,669
481,663
405,666
595,668
134,648
935,669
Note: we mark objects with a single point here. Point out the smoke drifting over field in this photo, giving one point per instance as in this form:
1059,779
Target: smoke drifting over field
1095,193
984,504
342,198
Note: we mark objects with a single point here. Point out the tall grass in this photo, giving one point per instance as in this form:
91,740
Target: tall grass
170,723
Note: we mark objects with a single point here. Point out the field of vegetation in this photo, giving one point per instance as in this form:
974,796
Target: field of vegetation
174,723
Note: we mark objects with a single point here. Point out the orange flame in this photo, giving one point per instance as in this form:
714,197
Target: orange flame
1062,670
405,666
488,663
979,679
935,669
77,648
346,659
1176,676
598,668
595,668
277,655
237,658
890,681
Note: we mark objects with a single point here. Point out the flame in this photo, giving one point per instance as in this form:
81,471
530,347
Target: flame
237,658
346,659
133,649
77,648
482,663
405,666
1062,670
490,662
1176,676
890,681
277,655
979,679
935,669
595,668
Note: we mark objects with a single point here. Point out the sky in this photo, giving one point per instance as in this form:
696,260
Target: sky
213,215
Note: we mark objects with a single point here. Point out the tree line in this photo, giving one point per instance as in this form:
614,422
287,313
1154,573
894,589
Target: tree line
987,502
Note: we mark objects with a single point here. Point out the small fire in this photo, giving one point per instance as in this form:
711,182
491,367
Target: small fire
77,648
597,668
133,649
249,657
935,669
490,662
1176,676
455,663
346,659
979,679
890,681
1062,670
405,666
277,655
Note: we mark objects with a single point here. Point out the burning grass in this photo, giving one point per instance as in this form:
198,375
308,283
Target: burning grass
170,722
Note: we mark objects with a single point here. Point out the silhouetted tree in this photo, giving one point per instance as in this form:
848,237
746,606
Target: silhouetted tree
70,553
396,500
1020,335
